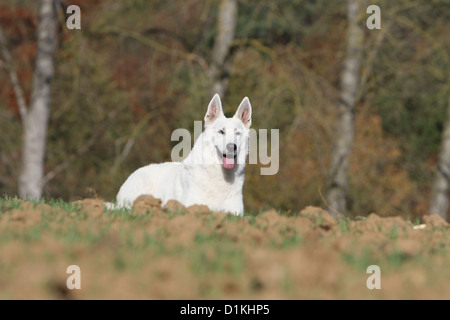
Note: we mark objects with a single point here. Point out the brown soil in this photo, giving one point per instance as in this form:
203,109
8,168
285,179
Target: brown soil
191,253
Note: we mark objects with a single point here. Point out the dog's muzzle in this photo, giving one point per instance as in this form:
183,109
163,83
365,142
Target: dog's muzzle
229,159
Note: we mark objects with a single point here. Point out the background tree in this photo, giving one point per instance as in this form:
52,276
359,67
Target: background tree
35,117
219,71
441,183
349,85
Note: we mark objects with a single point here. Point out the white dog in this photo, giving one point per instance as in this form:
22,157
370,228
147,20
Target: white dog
213,172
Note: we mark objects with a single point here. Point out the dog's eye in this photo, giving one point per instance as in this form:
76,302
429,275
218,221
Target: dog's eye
221,132
237,133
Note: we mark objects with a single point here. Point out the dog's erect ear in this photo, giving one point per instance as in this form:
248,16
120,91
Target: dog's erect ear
244,112
214,110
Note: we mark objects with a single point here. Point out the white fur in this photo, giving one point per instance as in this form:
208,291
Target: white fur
201,177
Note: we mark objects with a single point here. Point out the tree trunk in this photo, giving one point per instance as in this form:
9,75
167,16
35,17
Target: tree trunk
441,184
36,119
349,86
220,64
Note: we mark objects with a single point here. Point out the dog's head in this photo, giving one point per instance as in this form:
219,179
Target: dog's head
229,135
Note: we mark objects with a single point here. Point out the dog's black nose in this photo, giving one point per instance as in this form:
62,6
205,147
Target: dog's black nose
231,147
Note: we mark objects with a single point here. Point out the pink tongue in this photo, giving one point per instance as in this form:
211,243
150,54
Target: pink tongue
228,163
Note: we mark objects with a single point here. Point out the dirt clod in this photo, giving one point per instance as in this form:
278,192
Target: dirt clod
173,206
318,217
146,203
198,209
94,207
435,220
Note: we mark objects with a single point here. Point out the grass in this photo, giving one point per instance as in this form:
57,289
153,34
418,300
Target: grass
216,255
8,203
226,259
344,225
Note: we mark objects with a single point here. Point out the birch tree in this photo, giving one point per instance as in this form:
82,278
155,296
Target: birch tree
441,183
35,116
349,86
220,62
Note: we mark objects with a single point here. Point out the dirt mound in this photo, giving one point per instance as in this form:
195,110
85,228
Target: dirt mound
173,252
435,220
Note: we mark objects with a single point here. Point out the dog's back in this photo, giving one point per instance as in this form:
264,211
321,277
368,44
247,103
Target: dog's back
159,180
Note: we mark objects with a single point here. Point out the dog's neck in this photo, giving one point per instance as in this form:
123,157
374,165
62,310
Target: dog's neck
230,175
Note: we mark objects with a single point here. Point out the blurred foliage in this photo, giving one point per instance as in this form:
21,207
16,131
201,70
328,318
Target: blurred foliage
415,64
138,69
